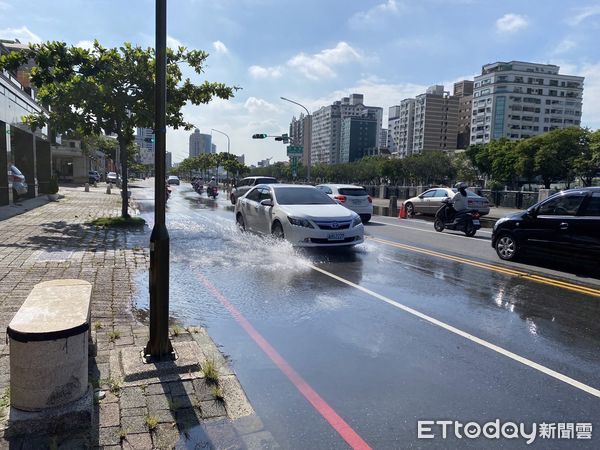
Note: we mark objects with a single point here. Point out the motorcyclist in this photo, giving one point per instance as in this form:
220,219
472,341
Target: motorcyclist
460,202
212,183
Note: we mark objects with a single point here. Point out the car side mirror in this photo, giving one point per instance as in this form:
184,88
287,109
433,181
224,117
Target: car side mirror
532,212
420,196
266,202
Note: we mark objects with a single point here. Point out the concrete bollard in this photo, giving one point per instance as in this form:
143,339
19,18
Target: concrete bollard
393,207
108,188
543,194
382,191
87,187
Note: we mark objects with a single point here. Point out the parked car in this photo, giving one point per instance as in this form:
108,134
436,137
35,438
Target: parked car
248,183
112,177
302,214
566,224
17,179
93,176
431,200
352,197
173,179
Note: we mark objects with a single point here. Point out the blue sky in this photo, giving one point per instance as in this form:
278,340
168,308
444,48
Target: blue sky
316,51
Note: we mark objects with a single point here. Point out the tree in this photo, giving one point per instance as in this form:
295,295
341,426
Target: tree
464,169
555,156
586,163
110,90
479,156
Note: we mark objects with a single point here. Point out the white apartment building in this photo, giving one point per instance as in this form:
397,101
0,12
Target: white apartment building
327,124
517,100
406,127
393,129
200,143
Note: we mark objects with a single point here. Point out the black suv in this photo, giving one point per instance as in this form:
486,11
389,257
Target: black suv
248,183
566,224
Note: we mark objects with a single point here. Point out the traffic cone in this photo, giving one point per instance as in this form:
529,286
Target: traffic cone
402,214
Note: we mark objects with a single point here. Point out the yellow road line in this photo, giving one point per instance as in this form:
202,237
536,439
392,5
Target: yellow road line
504,270
496,348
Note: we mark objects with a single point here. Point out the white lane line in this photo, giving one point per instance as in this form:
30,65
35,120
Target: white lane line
427,231
527,362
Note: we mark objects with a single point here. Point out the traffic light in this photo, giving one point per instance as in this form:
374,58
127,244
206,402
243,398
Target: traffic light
284,137
259,136
150,139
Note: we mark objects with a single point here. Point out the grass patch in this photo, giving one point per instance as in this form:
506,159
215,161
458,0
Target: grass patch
114,385
97,325
114,335
192,330
122,434
217,393
151,422
210,371
176,330
118,222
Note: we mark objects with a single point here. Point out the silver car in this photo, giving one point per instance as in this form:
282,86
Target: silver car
352,197
248,183
430,201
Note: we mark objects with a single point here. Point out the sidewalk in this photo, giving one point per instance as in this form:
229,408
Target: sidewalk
54,241
495,213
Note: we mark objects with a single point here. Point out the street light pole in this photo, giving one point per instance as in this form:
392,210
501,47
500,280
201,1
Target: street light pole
308,158
225,134
159,346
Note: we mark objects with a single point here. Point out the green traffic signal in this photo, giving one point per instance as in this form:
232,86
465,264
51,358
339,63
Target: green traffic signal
259,136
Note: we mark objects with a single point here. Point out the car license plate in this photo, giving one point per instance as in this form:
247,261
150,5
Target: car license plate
356,201
476,222
335,236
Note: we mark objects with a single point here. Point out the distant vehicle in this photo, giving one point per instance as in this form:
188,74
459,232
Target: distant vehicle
212,191
173,179
431,200
352,197
112,177
466,221
93,176
17,179
565,224
303,215
248,183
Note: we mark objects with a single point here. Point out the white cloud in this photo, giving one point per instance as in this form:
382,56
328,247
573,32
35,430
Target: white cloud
265,72
23,34
173,43
591,94
378,12
582,14
511,23
220,47
564,46
254,105
320,64
88,45
4,6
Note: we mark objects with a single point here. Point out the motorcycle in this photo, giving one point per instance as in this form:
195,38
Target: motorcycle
212,192
466,221
197,185
167,193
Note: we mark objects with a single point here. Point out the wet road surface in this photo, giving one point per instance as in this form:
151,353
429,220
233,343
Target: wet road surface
412,325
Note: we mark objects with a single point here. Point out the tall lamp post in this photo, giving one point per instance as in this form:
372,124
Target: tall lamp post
309,129
224,134
159,346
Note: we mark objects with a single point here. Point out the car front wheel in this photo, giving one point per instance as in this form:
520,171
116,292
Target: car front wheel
277,231
410,209
232,199
507,247
239,220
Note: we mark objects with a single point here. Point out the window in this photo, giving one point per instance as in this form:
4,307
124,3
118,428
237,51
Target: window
429,194
264,194
441,193
253,195
593,207
561,205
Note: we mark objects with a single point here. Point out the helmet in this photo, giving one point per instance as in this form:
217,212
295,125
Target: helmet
212,178
461,185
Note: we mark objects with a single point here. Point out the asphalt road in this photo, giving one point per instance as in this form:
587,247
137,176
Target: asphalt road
353,348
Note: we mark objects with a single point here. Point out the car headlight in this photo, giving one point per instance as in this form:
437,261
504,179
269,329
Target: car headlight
300,222
356,221
498,222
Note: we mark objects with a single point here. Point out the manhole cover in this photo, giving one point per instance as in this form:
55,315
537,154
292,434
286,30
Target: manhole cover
58,255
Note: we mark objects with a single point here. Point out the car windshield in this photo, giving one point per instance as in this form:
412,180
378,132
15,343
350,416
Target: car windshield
302,196
15,170
469,193
266,181
353,192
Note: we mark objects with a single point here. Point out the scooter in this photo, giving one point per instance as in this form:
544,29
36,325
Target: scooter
212,192
465,221
197,185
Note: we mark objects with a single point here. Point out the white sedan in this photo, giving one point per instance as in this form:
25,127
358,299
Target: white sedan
352,197
303,215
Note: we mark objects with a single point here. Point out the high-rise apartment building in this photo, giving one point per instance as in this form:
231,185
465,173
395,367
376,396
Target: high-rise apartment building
200,143
517,100
168,161
406,127
327,124
393,129
358,138
464,91
300,135
383,138
436,121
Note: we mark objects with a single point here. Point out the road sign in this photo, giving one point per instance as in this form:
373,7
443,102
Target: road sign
295,150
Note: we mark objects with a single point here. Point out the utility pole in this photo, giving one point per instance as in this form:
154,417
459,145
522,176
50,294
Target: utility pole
159,346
